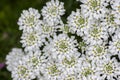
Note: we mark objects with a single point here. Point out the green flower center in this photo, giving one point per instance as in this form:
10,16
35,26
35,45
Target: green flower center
87,71
95,32
62,45
23,71
94,4
31,39
99,50
118,45
80,21
53,70
30,21
46,29
70,62
108,68
35,61
53,10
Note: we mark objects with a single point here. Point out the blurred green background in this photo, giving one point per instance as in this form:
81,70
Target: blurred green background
10,34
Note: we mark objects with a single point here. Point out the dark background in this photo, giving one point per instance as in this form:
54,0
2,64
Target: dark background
10,34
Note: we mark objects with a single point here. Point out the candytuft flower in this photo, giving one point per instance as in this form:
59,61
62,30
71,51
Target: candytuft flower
29,20
52,12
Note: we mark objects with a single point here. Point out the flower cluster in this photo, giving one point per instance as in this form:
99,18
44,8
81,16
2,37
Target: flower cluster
86,47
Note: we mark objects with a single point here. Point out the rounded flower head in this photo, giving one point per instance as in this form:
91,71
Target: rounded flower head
29,20
36,61
13,57
115,4
47,30
87,70
52,11
108,20
31,40
69,65
61,46
77,22
93,8
96,51
51,70
114,45
22,71
108,68
96,34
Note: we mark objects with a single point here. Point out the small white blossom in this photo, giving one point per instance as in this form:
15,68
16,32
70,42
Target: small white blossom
96,51
114,45
94,8
108,20
87,70
29,20
61,46
47,30
36,60
115,4
22,71
69,65
13,57
53,11
77,23
52,70
31,40
96,34
108,68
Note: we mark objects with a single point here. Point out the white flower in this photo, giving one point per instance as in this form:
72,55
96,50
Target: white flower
69,65
77,23
36,60
47,30
94,8
114,45
115,4
96,34
31,40
22,71
108,68
87,70
29,20
52,70
13,57
96,51
61,46
52,12
109,21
